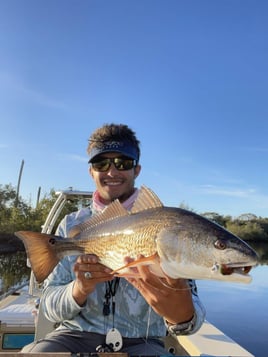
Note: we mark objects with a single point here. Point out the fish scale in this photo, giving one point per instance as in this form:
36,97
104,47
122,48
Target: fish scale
111,248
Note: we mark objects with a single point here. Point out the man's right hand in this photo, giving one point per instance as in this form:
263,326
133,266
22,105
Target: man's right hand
88,272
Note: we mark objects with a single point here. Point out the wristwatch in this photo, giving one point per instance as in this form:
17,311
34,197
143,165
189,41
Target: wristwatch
181,328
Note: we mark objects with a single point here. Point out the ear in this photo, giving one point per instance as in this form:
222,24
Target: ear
137,170
90,171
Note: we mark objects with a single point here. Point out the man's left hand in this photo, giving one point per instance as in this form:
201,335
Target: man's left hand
170,298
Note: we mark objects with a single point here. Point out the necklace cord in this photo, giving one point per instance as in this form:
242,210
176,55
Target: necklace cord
111,288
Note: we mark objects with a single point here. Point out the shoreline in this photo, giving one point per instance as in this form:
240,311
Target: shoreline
9,243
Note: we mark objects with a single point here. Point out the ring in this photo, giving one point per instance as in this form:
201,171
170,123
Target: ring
87,275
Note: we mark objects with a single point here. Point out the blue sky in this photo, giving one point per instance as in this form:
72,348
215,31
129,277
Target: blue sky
190,77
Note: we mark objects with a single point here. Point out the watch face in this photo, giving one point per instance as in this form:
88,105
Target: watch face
181,328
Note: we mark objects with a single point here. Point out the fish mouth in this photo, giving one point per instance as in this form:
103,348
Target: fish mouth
228,269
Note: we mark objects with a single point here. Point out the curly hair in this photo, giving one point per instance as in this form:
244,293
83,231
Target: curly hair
110,132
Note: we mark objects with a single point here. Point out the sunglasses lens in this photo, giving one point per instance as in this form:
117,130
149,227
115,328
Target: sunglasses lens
121,164
102,165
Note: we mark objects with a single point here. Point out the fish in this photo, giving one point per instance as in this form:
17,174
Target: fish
171,241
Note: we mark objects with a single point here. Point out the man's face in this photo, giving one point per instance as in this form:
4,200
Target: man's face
114,184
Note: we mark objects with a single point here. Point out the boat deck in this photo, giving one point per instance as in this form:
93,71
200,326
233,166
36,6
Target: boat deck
47,354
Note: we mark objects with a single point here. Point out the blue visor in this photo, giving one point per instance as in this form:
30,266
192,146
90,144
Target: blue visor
123,147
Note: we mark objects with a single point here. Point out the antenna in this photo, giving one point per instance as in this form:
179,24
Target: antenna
18,186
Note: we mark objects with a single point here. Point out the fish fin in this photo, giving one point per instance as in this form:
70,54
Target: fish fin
146,199
112,211
40,253
152,261
74,231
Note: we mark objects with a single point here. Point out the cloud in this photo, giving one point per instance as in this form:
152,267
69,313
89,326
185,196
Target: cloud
250,195
226,191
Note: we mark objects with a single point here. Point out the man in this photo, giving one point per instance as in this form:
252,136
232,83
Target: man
94,310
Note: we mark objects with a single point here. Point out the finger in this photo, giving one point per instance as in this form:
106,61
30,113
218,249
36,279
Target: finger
137,283
87,259
132,270
90,262
144,271
94,268
147,280
93,276
128,260
138,263
98,271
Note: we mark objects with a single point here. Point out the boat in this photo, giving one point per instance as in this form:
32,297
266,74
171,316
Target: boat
21,319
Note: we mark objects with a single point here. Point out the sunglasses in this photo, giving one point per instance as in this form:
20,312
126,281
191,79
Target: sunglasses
120,163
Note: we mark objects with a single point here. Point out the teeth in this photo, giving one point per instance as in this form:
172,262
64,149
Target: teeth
228,270
114,183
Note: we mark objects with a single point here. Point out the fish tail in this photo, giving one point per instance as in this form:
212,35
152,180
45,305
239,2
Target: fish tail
40,252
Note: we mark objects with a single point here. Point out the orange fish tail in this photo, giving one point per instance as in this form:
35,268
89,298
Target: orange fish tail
40,252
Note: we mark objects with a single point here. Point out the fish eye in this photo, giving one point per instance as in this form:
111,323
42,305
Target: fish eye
52,241
220,244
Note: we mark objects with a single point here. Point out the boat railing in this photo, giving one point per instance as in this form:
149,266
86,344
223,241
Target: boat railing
43,326
48,226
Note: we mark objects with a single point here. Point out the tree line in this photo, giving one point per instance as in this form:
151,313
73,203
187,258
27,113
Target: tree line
16,214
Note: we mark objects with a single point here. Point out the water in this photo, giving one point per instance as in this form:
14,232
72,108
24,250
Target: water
13,271
239,310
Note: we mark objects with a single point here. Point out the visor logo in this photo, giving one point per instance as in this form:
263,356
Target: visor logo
113,145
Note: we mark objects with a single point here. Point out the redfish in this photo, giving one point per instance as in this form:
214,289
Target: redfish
173,241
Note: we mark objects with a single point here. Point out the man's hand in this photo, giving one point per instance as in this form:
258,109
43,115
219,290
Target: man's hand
83,285
170,298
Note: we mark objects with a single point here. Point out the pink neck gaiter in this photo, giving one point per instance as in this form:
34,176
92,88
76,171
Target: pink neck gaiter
99,206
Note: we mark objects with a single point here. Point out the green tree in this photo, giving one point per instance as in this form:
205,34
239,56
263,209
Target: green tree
7,196
13,214
215,217
247,230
